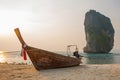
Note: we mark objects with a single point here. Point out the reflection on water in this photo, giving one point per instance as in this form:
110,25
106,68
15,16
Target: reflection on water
13,58
1,51
2,57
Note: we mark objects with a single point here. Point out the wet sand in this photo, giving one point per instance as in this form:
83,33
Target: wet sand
82,72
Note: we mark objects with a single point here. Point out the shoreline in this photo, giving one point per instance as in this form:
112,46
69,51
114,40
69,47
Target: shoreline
82,72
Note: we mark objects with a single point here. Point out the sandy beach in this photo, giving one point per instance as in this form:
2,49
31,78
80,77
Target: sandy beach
82,72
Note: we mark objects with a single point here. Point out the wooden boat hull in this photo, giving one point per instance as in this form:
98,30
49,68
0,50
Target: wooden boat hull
43,59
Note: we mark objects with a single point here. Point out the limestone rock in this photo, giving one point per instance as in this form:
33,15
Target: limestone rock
99,33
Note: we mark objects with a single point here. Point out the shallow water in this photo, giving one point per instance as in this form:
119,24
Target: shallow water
106,58
88,58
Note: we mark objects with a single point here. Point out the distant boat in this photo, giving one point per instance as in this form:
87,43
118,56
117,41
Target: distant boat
43,59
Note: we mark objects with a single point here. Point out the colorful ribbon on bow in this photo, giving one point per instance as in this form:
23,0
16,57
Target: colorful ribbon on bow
24,53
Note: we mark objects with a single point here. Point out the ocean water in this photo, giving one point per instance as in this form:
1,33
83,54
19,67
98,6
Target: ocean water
111,58
88,58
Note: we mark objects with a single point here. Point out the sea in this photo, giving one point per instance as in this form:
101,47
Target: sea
113,57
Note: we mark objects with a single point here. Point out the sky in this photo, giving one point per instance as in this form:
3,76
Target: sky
52,24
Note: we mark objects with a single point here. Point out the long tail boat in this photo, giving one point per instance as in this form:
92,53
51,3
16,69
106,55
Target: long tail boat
42,59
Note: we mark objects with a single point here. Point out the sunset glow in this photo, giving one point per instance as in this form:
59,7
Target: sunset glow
51,24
